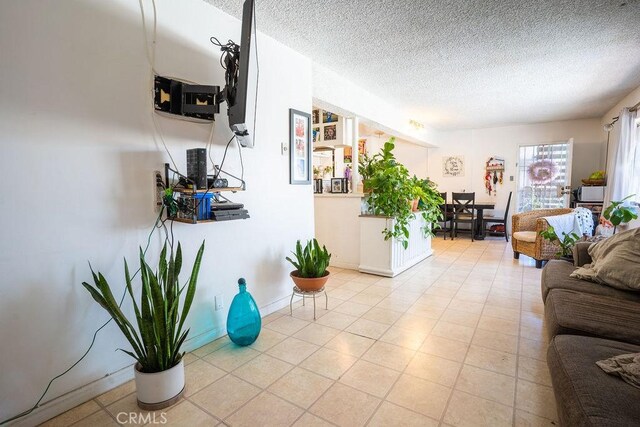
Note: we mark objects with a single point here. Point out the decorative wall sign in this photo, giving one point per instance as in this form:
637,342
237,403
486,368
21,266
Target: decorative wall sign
299,147
452,166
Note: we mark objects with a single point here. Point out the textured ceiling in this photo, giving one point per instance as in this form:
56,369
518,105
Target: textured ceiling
469,63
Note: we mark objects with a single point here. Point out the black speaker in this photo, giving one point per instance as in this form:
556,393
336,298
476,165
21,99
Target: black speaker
197,166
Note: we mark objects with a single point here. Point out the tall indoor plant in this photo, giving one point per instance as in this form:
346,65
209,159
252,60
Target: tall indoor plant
390,191
158,336
430,204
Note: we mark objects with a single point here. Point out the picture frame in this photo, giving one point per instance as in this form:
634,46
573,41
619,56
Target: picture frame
299,147
330,133
339,185
329,117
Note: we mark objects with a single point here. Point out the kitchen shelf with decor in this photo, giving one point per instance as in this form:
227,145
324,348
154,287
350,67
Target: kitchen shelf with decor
591,194
202,205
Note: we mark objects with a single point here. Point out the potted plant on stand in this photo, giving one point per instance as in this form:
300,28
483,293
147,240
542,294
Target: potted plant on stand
311,264
158,336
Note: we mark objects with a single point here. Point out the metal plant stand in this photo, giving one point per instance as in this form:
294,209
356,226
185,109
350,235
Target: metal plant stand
312,294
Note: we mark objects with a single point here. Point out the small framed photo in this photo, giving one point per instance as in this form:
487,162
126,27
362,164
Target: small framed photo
299,147
330,133
339,185
316,135
329,117
316,116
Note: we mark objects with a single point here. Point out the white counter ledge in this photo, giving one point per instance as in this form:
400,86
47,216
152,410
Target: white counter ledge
340,195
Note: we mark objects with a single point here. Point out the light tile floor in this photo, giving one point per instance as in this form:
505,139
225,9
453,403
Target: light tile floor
458,340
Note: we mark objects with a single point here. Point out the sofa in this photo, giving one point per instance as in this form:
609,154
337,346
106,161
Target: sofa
525,235
587,322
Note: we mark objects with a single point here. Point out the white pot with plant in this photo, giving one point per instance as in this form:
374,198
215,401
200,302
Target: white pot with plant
158,336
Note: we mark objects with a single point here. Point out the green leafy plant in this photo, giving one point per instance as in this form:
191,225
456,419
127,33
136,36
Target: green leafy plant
566,244
617,213
157,340
430,203
311,261
391,190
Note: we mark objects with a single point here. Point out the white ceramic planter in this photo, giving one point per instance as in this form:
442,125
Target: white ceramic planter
159,389
388,257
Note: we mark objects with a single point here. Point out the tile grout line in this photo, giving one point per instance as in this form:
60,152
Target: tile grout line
455,382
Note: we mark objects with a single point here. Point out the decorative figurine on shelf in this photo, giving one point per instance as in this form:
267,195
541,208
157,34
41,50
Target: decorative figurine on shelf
243,322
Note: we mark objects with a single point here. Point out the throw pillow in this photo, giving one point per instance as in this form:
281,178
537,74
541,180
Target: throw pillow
616,262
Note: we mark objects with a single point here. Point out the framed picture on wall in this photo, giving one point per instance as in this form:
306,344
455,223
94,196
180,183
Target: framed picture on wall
330,133
299,147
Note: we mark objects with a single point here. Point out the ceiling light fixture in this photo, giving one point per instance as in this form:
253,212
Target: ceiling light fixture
416,125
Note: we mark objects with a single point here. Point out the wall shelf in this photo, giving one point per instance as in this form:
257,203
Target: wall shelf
204,190
199,213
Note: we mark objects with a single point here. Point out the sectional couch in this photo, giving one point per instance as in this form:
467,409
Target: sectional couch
588,322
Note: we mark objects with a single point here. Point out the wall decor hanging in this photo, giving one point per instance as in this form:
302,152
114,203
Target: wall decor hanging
299,147
452,166
542,171
493,174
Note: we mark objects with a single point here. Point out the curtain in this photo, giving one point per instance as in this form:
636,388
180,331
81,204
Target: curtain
623,169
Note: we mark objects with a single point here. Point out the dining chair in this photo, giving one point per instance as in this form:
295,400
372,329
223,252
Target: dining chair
464,212
488,219
447,216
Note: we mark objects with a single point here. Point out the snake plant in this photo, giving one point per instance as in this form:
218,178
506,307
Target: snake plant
312,261
158,335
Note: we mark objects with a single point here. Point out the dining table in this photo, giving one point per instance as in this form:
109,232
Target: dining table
480,206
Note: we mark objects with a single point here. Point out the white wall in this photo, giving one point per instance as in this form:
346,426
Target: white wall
331,90
411,155
477,145
337,226
78,151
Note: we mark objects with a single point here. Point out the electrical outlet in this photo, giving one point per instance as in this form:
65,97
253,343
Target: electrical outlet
510,177
219,301
159,190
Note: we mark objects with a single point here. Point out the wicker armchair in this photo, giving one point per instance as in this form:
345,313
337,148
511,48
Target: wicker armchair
524,241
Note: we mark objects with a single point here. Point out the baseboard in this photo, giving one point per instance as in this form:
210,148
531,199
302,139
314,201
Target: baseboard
95,388
345,265
386,272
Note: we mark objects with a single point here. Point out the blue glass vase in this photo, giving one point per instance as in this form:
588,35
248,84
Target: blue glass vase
243,322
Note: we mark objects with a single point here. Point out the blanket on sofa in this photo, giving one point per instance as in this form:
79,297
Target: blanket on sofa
626,366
